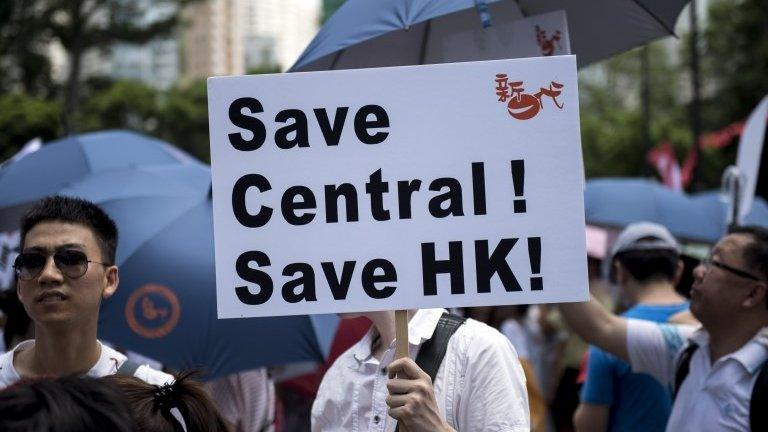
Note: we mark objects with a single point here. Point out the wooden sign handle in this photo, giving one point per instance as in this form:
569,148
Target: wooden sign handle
401,343
401,334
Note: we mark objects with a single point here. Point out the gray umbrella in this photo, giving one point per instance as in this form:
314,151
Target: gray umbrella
364,33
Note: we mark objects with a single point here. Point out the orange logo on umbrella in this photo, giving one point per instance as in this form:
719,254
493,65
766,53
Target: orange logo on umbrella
152,311
524,106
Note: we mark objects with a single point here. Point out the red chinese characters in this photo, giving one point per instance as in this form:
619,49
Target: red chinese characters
521,105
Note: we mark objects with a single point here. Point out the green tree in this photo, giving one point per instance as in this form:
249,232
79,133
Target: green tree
23,118
736,53
23,38
612,132
82,25
183,119
123,104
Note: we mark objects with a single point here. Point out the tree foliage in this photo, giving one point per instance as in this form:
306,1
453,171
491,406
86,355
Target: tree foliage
122,104
184,119
22,118
736,52
612,129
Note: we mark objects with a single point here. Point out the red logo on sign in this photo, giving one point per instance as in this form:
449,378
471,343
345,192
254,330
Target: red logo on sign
152,311
547,44
524,106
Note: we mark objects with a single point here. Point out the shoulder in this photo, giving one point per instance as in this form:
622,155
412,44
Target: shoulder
481,336
143,372
476,343
8,374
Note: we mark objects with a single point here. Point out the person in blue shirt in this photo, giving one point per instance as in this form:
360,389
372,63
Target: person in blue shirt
646,266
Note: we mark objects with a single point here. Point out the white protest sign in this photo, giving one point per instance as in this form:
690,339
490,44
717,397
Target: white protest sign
398,188
750,151
539,35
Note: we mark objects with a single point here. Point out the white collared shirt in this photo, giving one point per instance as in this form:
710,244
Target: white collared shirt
480,385
713,397
107,364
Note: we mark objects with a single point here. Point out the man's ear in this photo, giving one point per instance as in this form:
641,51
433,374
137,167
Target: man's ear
678,272
756,296
112,277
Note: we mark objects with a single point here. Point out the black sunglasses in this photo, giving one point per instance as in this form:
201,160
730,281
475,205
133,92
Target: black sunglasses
72,264
733,270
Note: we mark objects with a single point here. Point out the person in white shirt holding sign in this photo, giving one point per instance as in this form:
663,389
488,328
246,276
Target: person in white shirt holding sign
65,269
478,386
719,371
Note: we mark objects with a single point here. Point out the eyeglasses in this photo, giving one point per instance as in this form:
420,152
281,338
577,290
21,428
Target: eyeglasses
709,262
72,264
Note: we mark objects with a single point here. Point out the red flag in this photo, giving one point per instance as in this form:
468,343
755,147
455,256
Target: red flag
662,157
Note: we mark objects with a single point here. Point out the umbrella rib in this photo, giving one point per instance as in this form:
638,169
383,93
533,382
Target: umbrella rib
654,16
425,42
336,59
522,10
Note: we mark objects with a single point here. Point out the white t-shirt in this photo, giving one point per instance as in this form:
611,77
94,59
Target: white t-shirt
480,385
107,364
713,397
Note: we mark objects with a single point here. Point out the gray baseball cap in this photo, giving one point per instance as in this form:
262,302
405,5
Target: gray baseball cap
642,236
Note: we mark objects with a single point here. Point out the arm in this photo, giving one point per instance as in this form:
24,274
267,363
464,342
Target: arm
593,413
597,326
591,418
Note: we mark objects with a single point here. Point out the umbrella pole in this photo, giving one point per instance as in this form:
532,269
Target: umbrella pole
401,342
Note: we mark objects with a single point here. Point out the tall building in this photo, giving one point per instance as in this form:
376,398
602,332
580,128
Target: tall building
213,38
277,31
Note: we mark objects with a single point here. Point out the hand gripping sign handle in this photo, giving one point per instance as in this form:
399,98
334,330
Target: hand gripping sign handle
401,343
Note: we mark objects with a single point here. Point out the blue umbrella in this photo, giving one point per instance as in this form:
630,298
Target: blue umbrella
165,305
365,33
617,202
61,164
165,308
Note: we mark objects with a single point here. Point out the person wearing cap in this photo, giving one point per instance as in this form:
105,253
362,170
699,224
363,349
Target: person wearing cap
715,367
646,265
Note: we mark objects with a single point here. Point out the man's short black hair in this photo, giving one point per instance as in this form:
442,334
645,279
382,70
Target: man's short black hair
78,211
755,254
649,265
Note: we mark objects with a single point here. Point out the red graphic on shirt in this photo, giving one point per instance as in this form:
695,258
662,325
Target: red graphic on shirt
547,44
524,106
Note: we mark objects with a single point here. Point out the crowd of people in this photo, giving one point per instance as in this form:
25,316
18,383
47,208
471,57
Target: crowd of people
664,362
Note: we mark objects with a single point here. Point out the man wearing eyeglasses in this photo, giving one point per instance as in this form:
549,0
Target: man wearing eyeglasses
713,368
65,269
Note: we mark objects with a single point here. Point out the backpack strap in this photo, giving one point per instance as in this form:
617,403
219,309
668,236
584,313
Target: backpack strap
433,351
128,368
431,354
683,366
758,418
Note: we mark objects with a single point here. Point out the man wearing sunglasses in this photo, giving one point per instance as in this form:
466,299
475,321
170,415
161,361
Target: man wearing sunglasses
713,368
65,268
